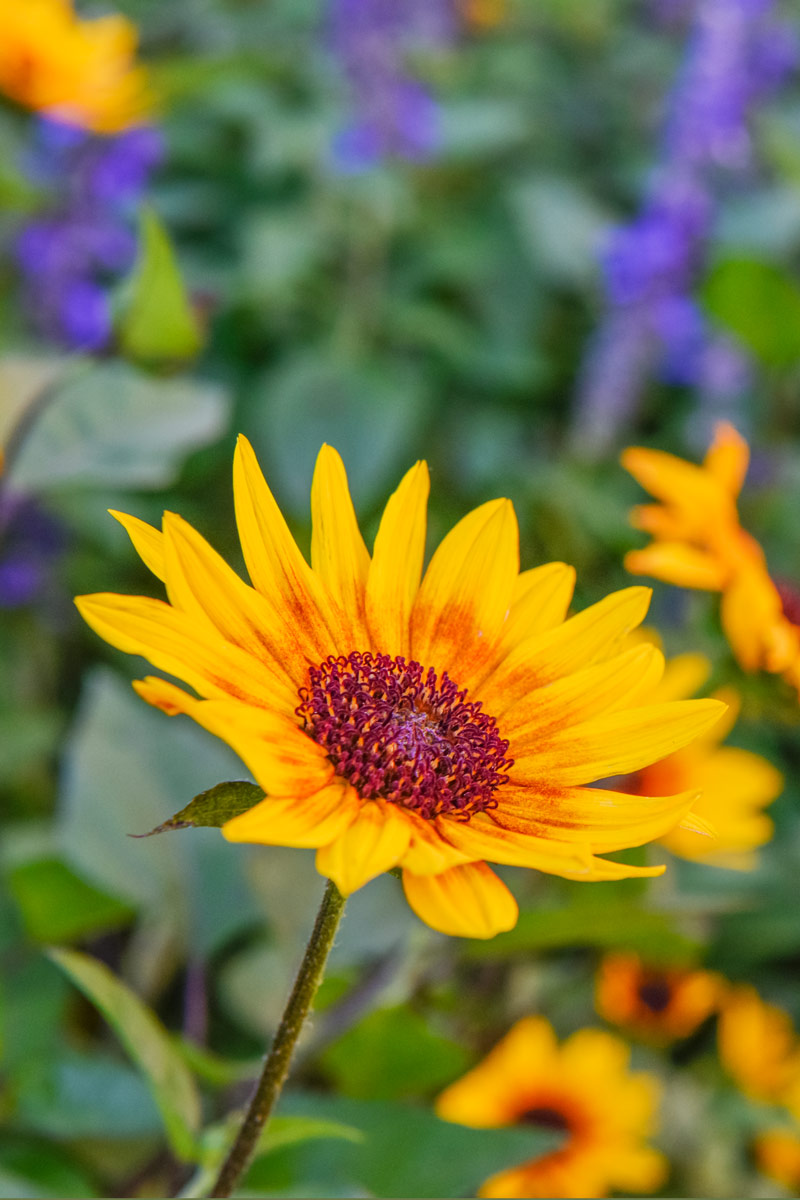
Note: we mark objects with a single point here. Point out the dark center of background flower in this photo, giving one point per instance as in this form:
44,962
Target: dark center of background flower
397,732
790,600
655,994
545,1117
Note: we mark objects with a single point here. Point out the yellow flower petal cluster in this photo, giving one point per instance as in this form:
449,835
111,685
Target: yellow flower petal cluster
79,71
394,718
759,1048
777,1153
584,1089
734,785
659,1004
698,542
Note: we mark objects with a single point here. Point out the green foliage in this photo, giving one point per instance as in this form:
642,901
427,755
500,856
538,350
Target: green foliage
58,906
154,318
148,1044
214,807
760,304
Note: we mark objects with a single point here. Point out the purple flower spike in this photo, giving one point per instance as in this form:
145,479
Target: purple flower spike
737,54
71,258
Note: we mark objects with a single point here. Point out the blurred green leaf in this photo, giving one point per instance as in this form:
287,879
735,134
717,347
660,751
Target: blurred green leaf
621,926
289,1131
146,1041
212,808
406,1151
71,1095
112,424
392,1054
58,906
41,1170
153,316
760,304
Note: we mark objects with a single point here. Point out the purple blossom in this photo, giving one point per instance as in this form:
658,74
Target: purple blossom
73,253
393,114
31,542
737,54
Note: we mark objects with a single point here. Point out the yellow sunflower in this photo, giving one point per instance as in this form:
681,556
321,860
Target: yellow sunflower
660,1004
583,1089
759,1049
777,1153
80,71
400,720
734,785
698,542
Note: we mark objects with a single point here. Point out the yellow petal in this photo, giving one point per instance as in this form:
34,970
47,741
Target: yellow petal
147,541
683,676
396,566
693,490
682,565
375,842
309,821
429,853
591,636
603,820
278,569
283,760
540,602
338,553
585,694
202,584
466,901
466,593
176,643
728,457
616,744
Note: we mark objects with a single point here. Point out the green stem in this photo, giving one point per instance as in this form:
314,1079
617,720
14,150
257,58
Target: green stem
276,1064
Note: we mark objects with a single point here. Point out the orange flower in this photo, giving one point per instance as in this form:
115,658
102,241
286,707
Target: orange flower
698,542
660,1004
778,1156
429,722
582,1088
81,72
759,1049
734,785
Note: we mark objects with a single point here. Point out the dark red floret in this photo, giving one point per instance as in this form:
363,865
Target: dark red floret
397,732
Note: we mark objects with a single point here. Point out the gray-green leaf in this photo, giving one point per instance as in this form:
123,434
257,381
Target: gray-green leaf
213,808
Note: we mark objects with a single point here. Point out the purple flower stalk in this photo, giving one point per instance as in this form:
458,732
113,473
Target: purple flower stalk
71,256
737,54
393,114
31,542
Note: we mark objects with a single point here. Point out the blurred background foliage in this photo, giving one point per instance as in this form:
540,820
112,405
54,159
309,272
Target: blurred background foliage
438,308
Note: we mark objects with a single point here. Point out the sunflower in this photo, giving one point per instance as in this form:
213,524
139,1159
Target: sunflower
777,1154
80,72
661,1004
698,542
584,1090
759,1049
427,723
735,785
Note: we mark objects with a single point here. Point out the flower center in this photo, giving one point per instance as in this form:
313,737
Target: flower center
545,1117
398,732
655,994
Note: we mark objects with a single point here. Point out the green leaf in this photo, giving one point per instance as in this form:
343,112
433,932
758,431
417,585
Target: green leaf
58,906
146,1041
405,1151
760,304
392,1054
289,1131
111,424
154,318
213,808
615,925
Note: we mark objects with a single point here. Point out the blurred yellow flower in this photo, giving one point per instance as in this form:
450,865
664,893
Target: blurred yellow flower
483,14
430,723
583,1088
759,1048
777,1154
660,1004
698,542
734,785
78,71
